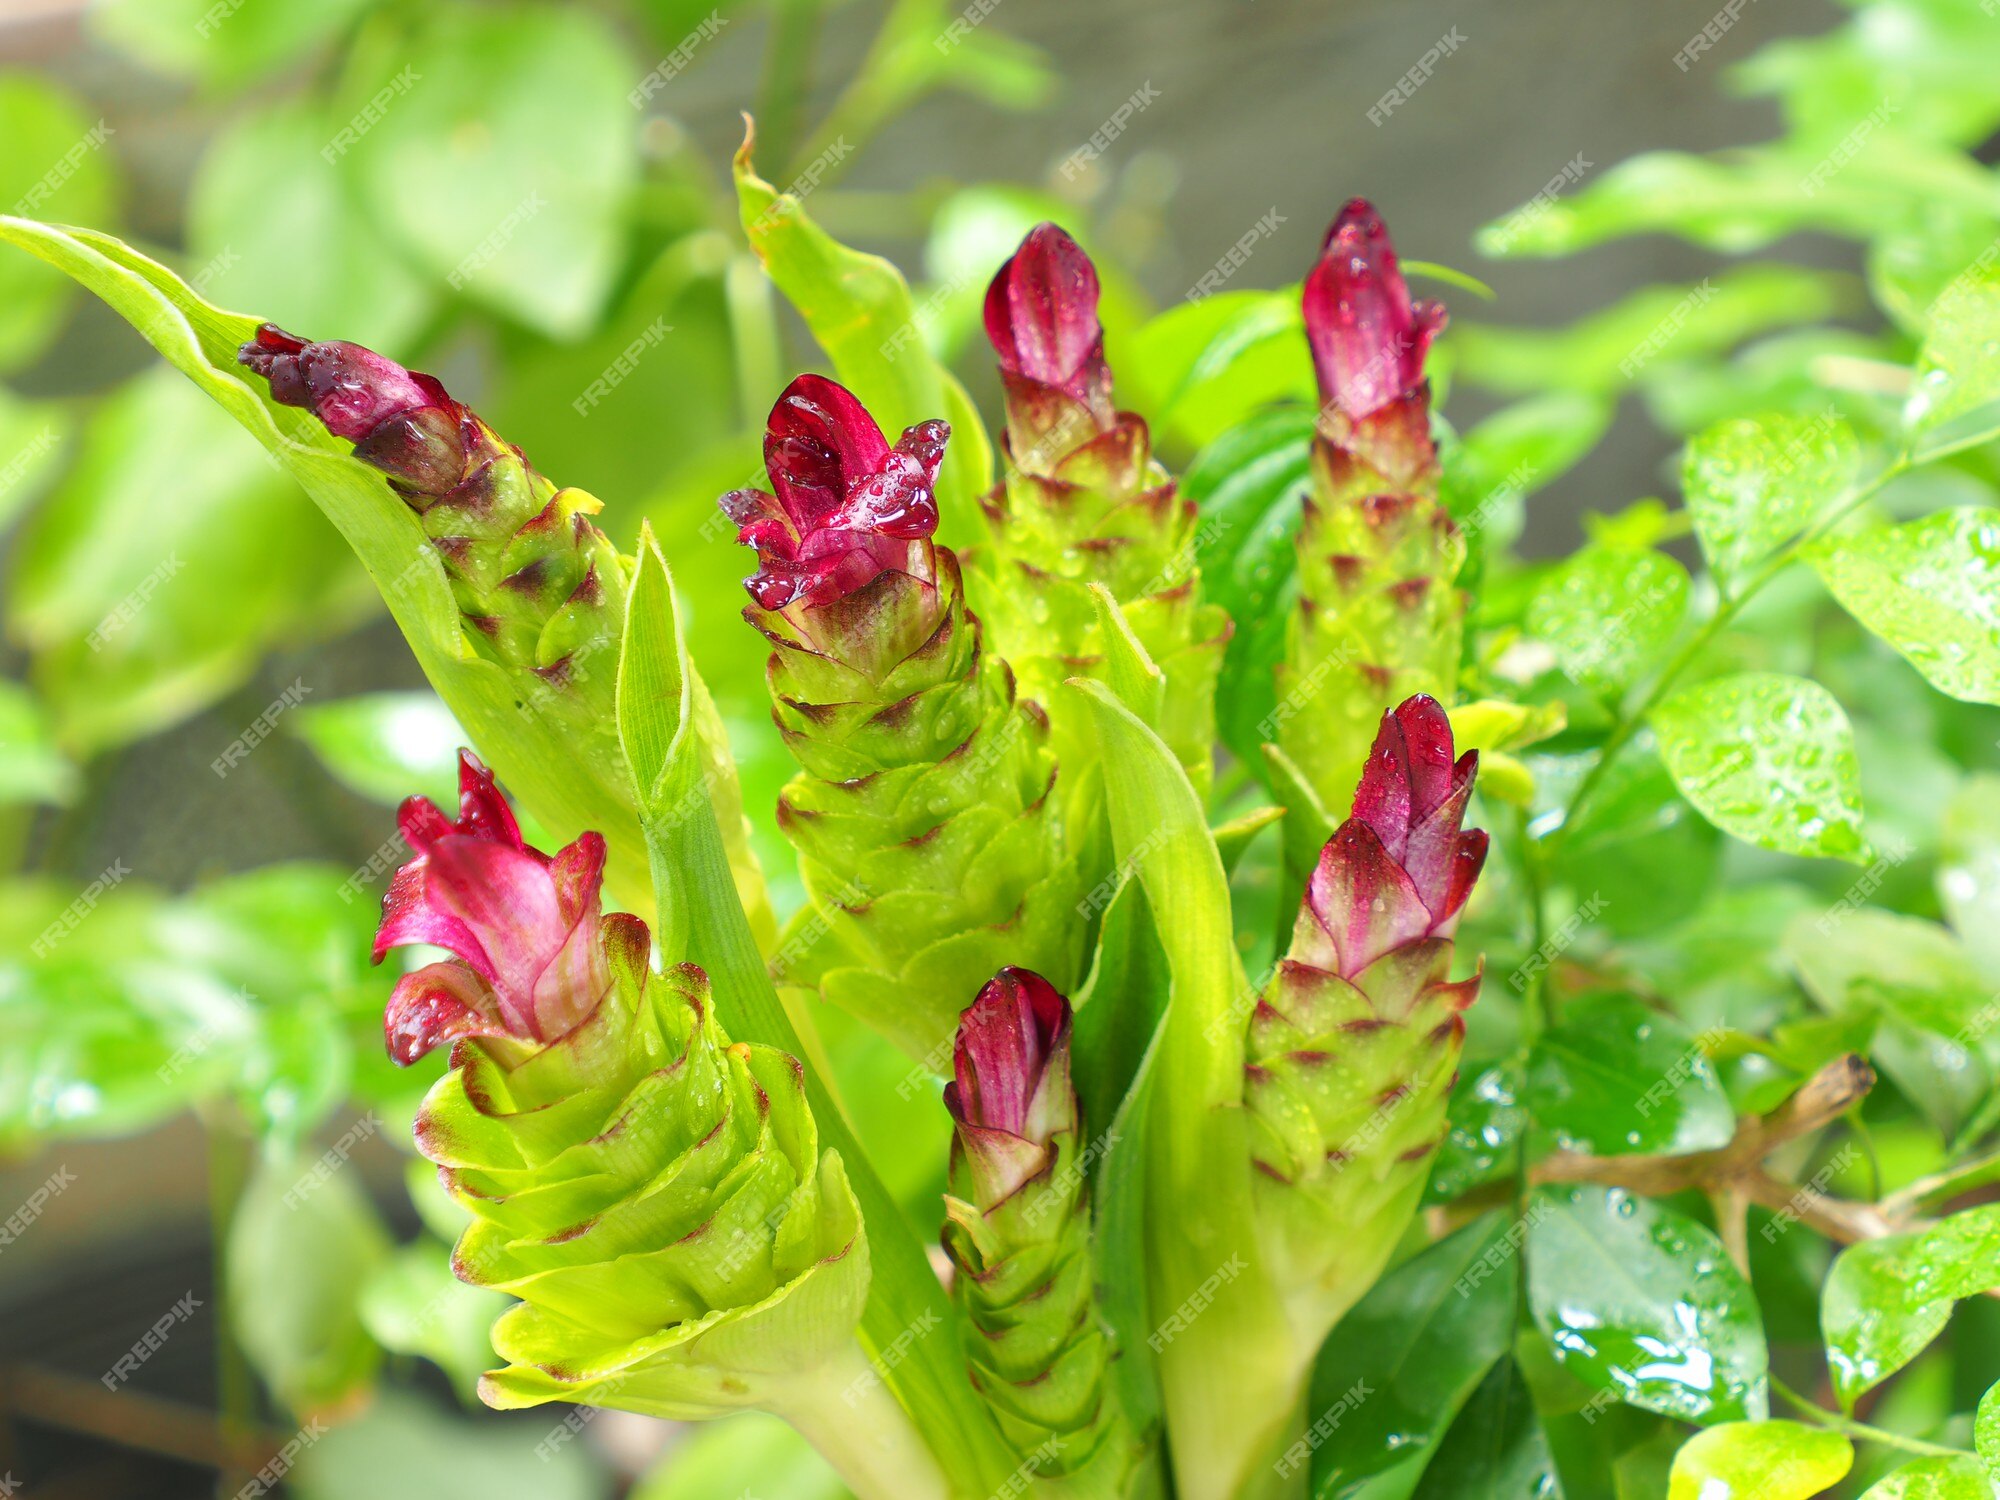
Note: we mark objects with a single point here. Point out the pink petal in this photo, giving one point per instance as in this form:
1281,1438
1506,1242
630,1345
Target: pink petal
1006,1041
507,898
435,1004
409,917
1362,898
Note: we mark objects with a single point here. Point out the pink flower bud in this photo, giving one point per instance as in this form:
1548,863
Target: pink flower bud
1368,338
1041,316
1011,1095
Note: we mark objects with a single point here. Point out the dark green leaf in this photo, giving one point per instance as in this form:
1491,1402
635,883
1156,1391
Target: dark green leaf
1616,1076
1496,1447
1641,1301
1410,1353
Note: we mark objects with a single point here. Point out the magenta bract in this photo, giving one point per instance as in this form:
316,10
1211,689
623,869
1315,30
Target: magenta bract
1041,316
1010,1093
524,926
1368,338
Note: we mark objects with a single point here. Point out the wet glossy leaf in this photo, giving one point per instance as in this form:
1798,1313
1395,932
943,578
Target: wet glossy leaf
1886,1299
1417,1344
1937,1478
1756,482
1481,1146
1958,368
1769,759
1608,611
1249,484
1931,589
1617,1076
1496,1447
1643,1301
1759,1461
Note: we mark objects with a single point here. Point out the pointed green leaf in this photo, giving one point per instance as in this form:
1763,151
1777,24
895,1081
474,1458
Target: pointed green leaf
1644,1302
1418,1345
1886,1299
1931,589
1617,1076
858,307
1759,1461
699,918
1496,1447
1958,367
1769,759
1608,611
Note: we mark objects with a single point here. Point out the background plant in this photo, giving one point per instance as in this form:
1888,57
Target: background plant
1650,980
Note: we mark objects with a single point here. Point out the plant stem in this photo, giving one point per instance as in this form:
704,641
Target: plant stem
847,1411
1726,611
1835,1422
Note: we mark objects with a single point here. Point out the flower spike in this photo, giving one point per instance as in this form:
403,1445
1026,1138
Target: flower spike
1355,1043
1378,617
655,1196
1083,502
1018,1230
922,810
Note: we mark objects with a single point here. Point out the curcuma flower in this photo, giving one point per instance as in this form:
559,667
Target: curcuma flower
1018,1232
1084,502
922,810
537,584
1378,616
655,1196
1355,1042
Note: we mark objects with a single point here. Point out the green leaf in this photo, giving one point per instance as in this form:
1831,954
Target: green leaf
858,307
1608,611
1482,1145
403,1444
496,145
1958,367
751,1454
1755,482
1939,1478
699,918
1916,987
1249,485
32,769
1208,365
1496,1447
33,439
1931,589
302,1244
57,165
1493,467
264,188
1886,1299
1617,1076
533,753
1225,1379
385,746
1641,337
1759,1461
1417,1344
1644,1302
1769,759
